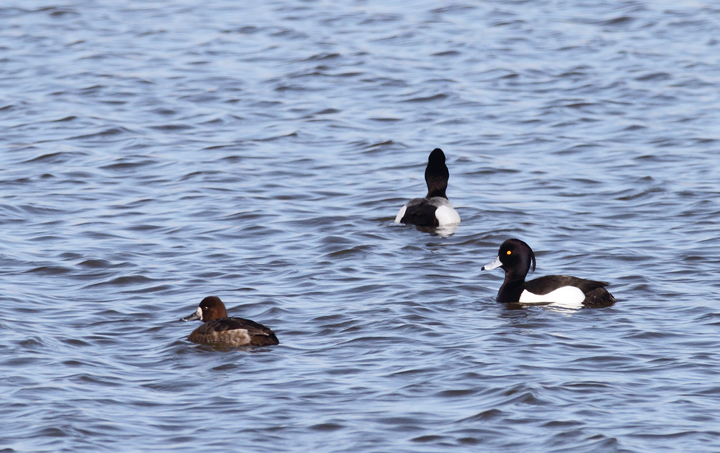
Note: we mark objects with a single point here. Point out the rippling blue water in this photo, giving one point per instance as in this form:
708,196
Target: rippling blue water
158,152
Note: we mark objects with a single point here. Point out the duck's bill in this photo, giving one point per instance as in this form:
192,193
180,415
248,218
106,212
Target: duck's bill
493,265
192,317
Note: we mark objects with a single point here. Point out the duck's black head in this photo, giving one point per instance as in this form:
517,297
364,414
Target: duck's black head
515,257
436,174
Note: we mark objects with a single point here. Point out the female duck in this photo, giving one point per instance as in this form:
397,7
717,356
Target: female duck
515,257
435,209
223,332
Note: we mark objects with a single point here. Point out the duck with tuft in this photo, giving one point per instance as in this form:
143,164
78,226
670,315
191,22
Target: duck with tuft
435,209
515,257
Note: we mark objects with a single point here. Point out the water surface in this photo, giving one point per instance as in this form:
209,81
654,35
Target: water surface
158,152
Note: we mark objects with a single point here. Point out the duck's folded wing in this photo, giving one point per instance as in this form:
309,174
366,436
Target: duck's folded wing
222,325
420,214
544,285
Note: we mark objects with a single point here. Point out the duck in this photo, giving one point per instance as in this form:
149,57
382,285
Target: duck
221,331
515,257
435,209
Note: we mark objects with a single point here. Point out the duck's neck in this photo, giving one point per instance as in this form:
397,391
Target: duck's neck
436,178
437,193
511,288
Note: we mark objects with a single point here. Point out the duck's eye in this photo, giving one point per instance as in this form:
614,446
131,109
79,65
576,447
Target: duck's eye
509,252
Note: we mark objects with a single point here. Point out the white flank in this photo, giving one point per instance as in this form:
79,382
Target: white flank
565,297
401,214
447,215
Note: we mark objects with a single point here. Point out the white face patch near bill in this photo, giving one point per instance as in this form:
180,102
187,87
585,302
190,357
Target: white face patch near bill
199,313
564,297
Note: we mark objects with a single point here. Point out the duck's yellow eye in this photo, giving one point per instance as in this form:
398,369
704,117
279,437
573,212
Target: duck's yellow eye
509,252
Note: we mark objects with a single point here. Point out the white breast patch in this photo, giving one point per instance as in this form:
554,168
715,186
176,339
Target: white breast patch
565,297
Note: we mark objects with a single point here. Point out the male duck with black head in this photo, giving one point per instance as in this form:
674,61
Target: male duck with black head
516,257
435,209
223,332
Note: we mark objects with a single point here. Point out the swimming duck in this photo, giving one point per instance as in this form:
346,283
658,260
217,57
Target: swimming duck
224,332
515,257
435,209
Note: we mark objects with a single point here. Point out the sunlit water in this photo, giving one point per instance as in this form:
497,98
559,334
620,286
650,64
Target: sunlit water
154,153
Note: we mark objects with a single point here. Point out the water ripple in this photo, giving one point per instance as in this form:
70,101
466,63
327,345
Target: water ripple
260,153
